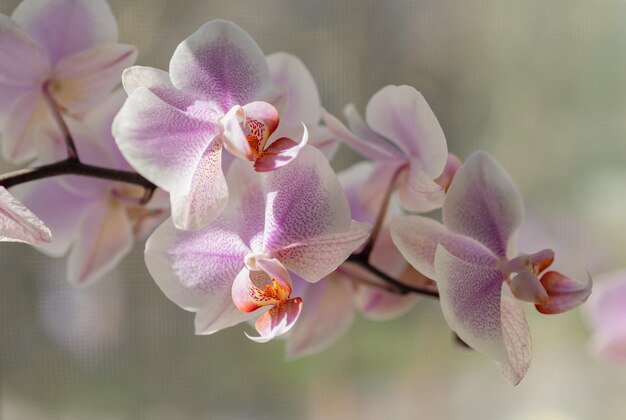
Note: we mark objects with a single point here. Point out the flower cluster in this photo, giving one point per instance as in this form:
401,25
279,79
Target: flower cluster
237,145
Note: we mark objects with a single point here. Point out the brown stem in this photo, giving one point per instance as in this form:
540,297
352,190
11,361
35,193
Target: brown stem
400,288
71,166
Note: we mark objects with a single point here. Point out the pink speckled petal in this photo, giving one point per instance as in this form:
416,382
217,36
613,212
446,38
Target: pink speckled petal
18,224
253,289
277,321
472,303
197,269
483,203
280,153
164,143
87,77
317,257
64,27
207,196
105,238
374,150
233,135
417,238
326,315
402,115
18,136
22,62
218,313
304,201
222,63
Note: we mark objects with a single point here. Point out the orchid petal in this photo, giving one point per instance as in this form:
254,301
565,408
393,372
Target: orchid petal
517,342
18,224
8,95
321,138
402,115
196,269
19,131
87,77
207,196
483,203
418,192
563,293
303,102
417,238
304,201
218,314
253,289
220,62
235,140
375,151
61,210
64,27
280,153
22,62
315,258
326,316
473,305
452,166
278,320
164,143
105,238
527,287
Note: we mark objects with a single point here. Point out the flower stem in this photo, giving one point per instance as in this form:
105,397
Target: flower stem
71,166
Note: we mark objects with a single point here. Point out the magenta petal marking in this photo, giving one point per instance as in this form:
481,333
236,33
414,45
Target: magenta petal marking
278,320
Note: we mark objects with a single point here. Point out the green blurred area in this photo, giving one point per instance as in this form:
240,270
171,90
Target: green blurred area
539,84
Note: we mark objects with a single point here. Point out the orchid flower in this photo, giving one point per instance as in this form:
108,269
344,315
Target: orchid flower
18,224
96,221
61,53
401,134
326,317
471,257
217,93
294,220
606,316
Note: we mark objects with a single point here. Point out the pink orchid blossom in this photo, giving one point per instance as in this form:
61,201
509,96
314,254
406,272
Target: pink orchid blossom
18,224
326,317
401,134
471,257
217,93
61,53
296,219
94,221
606,316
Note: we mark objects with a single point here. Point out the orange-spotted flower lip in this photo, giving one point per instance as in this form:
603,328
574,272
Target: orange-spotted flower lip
246,134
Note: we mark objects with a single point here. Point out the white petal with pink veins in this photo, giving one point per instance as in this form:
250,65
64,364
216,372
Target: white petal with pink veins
196,269
18,224
304,201
163,143
207,196
222,63
64,27
402,115
417,239
483,203
473,305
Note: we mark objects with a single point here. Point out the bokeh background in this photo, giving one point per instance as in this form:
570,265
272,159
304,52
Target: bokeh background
540,84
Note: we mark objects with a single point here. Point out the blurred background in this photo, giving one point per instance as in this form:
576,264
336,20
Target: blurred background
539,84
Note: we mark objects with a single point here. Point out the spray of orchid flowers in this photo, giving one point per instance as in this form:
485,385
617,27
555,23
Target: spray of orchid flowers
222,163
